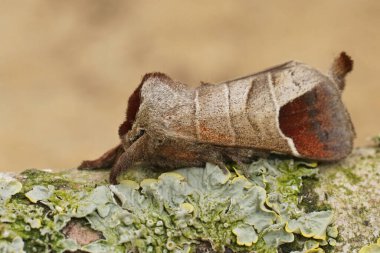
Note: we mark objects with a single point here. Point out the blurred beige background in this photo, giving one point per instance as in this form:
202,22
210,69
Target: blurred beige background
68,67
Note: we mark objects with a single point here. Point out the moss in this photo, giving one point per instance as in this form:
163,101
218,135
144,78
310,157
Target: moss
296,245
310,199
328,248
350,175
33,177
62,180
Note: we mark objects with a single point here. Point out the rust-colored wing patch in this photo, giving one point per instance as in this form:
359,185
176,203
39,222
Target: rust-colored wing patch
318,124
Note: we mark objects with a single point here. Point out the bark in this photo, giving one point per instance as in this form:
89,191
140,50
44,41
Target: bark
350,188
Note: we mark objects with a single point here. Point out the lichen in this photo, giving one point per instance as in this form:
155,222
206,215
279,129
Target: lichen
245,235
168,213
311,225
376,140
372,248
8,187
351,187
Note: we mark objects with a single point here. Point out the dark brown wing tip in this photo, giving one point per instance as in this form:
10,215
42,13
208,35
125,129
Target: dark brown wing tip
124,128
341,66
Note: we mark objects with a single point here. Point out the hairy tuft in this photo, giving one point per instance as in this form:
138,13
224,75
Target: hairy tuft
341,66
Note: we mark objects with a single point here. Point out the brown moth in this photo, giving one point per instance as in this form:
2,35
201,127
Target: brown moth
290,109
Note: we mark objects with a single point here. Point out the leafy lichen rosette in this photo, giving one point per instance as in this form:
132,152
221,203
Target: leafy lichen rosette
173,212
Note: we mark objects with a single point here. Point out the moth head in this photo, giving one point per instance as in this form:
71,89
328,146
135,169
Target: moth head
130,130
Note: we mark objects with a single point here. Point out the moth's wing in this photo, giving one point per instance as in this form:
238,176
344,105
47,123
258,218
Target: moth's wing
241,113
291,109
309,115
318,123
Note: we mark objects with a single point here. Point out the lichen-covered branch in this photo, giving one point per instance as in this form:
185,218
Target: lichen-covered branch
275,205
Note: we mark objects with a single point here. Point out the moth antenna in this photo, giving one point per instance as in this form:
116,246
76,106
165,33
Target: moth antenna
341,66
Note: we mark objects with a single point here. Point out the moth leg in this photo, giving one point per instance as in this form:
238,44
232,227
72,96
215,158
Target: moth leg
135,153
107,160
222,166
242,166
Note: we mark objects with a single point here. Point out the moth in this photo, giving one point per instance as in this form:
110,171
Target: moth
291,109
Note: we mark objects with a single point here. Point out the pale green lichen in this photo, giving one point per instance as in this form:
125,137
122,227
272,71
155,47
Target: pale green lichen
8,187
332,231
39,193
311,225
372,248
245,235
276,235
311,246
14,245
170,213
